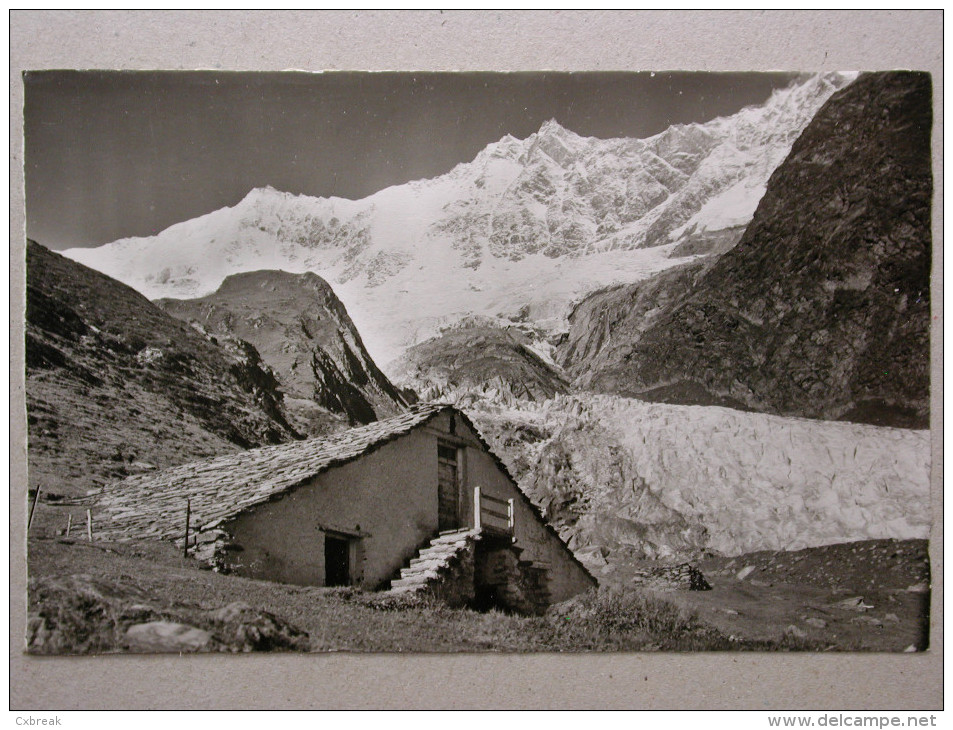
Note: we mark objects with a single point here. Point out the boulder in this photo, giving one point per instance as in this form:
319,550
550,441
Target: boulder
854,603
243,628
592,556
745,572
166,636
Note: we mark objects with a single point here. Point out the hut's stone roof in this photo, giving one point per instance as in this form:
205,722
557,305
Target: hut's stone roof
154,505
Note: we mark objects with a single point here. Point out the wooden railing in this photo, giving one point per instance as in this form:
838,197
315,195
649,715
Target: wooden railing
492,513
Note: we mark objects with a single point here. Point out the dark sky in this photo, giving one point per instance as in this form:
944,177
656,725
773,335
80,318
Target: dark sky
114,154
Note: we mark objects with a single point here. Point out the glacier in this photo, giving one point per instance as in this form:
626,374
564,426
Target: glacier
666,481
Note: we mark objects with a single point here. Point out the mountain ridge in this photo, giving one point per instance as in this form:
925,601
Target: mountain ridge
303,332
549,218
478,361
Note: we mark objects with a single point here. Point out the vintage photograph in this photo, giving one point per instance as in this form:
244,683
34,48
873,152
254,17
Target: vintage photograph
478,362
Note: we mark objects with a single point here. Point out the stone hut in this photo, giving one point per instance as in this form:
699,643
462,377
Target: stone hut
413,503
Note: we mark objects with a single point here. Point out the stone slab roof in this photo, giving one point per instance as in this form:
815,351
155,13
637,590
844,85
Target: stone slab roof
154,505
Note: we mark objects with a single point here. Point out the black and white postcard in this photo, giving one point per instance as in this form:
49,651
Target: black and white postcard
478,362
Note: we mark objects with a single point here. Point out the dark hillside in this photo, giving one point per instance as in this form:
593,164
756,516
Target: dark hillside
304,333
481,360
116,385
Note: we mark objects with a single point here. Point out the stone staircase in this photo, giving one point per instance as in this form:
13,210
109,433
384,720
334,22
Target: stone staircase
470,568
447,554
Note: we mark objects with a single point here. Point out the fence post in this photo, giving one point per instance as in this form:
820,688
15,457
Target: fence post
69,523
36,498
89,525
511,518
188,516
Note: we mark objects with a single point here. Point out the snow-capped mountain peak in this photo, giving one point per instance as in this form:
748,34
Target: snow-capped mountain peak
518,232
551,127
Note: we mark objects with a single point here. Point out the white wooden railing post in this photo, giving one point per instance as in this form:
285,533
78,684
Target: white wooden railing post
509,514
476,508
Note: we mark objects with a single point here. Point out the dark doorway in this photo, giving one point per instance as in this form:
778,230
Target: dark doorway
448,495
337,561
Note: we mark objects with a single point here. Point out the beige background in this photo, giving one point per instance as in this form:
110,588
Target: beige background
466,40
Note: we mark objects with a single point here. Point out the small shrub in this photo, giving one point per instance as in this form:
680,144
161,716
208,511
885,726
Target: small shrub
610,618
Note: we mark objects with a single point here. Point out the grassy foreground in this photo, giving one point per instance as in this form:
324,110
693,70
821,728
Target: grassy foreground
84,597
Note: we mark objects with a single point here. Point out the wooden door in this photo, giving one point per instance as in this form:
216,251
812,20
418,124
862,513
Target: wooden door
337,561
448,489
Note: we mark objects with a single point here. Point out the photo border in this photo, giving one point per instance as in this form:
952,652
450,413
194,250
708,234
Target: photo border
481,40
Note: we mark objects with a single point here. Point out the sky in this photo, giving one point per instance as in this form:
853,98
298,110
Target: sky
116,154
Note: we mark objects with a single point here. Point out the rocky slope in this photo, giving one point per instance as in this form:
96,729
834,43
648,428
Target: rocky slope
478,361
823,308
304,334
80,614
648,480
615,317
521,231
115,385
